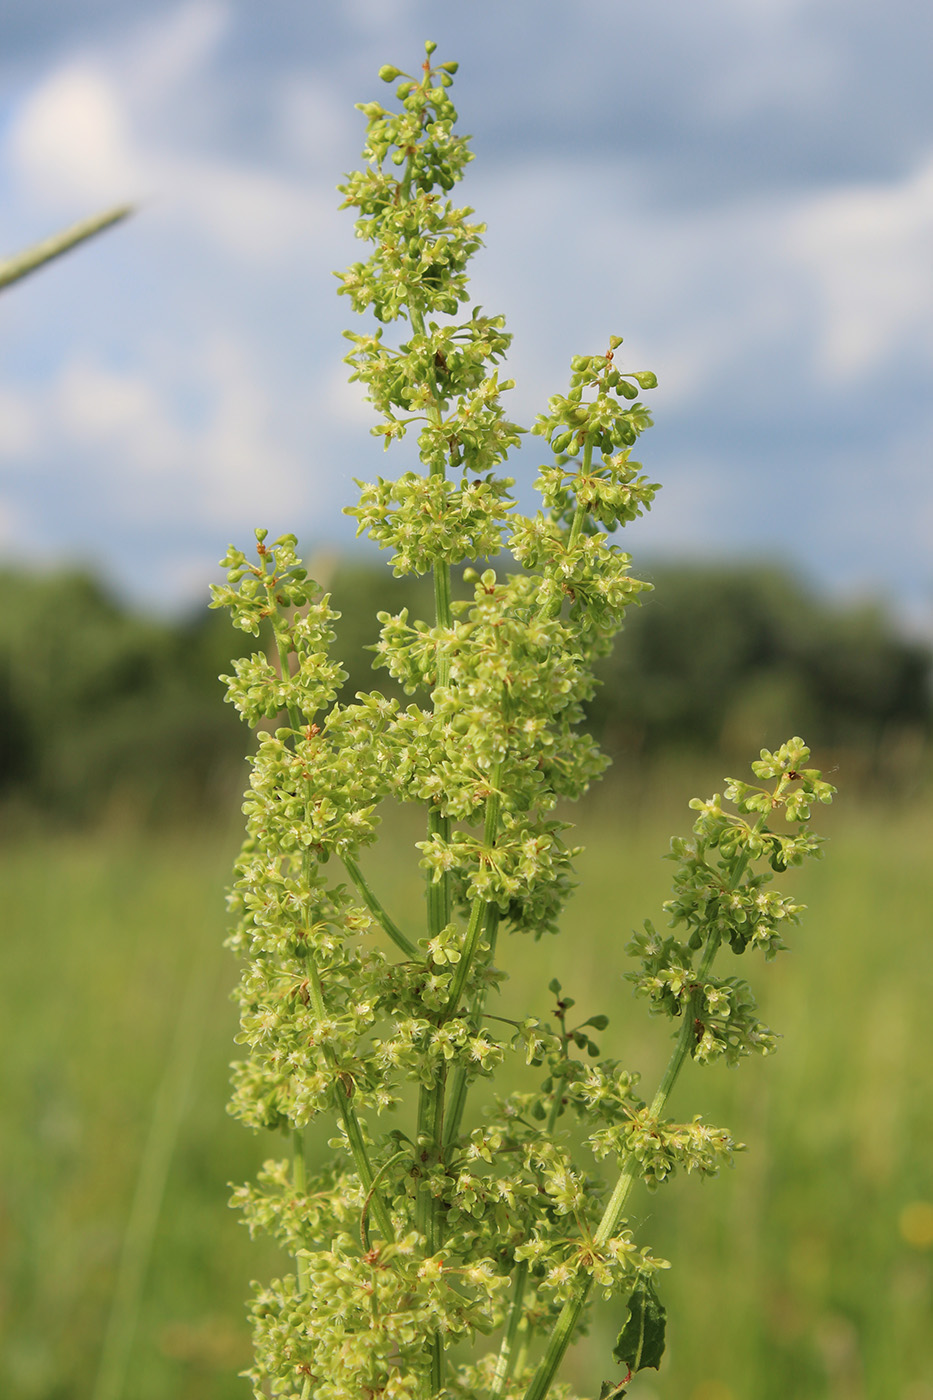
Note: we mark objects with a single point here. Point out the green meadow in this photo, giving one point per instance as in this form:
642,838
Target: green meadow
805,1272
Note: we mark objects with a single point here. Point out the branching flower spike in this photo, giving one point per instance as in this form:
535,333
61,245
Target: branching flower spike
448,1214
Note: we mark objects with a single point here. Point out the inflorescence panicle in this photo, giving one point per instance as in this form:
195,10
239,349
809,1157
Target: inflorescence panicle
416,1240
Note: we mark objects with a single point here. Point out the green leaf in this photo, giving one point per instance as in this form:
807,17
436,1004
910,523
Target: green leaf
641,1342
612,1390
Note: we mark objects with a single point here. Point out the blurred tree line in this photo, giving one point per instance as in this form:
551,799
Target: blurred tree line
107,712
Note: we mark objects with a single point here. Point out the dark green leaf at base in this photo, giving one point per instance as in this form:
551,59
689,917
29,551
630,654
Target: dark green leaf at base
641,1342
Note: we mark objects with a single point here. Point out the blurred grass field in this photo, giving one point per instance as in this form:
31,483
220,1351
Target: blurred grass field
806,1272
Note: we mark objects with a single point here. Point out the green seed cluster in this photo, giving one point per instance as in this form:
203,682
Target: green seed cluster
441,1228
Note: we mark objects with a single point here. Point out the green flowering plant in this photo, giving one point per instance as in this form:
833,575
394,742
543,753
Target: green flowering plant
452,1224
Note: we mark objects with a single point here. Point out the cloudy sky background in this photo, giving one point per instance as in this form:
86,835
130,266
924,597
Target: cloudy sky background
741,188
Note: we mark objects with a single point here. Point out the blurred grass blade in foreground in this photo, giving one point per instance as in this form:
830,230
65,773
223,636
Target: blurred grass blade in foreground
21,264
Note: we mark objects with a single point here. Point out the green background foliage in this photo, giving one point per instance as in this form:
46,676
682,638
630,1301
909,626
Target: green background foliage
104,707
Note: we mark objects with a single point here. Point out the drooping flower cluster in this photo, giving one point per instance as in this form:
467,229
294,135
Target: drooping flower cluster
441,1228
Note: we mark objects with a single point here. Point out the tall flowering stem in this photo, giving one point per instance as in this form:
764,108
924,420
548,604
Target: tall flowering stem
439,1219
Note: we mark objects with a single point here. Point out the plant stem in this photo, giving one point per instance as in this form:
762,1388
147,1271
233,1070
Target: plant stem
21,264
345,1111
506,1359
472,940
374,906
354,1133
558,1099
430,1128
526,1333
351,1122
470,944
364,1226
458,1087
431,1099
438,891
572,1310
428,1218
444,614
300,1183
576,525
579,515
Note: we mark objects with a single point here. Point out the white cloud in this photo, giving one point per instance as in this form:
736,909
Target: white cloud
70,140
695,295
345,404
867,251
317,125
100,408
247,213
125,433
78,140
165,52
839,284
18,426
242,461
377,17
775,58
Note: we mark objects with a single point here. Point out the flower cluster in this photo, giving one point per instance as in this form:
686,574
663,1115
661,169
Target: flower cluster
445,1226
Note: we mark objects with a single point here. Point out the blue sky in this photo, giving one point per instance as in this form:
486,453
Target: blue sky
742,188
